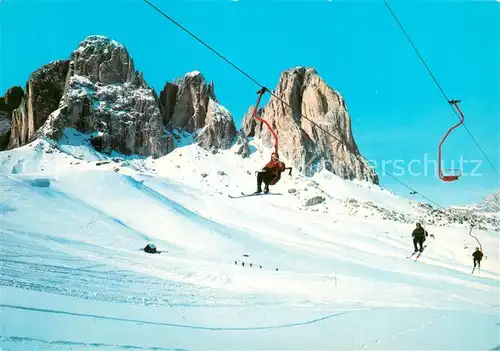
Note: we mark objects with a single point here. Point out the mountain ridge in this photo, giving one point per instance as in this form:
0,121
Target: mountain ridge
98,91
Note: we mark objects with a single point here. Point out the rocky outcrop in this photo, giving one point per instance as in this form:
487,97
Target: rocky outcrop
99,92
105,61
314,201
168,98
190,104
306,146
241,146
106,97
219,130
8,103
12,99
44,90
185,102
5,128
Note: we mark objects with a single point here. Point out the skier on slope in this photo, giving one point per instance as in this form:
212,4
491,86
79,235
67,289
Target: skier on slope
270,174
418,236
478,256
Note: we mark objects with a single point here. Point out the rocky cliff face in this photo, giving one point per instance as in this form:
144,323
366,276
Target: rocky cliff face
308,147
8,103
98,91
190,104
106,96
104,61
44,90
219,130
242,146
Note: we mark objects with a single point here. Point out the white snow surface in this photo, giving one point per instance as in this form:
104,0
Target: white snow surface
93,41
73,276
193,74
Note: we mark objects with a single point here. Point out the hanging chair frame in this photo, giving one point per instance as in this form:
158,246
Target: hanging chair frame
450,178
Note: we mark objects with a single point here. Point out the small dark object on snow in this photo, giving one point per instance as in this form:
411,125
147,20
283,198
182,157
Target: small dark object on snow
260,267
276,269
102,163
245,255
315,201
243,264
150,248
250,265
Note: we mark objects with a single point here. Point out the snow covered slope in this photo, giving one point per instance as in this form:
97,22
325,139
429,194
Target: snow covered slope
256,273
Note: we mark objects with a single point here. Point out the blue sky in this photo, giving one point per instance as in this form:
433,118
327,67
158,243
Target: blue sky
396,109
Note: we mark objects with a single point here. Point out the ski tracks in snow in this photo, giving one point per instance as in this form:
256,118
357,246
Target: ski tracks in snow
199,327
33,343
398,334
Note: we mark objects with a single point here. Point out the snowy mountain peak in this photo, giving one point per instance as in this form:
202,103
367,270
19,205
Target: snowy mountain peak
105,61
93,42
194,74
490,204
325,143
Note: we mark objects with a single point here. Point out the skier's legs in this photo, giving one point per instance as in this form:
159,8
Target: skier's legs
260,176
267,177
263,177
421,242
415,243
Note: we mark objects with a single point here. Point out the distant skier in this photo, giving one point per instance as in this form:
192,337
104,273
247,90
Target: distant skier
270,174
419,235
478,256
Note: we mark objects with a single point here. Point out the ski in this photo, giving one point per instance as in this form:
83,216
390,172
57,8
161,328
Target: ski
416,258
413,254
153,253
252,194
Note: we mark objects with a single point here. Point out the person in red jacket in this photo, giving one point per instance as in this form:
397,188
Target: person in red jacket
270,174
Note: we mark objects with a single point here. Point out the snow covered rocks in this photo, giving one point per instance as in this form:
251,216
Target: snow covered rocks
106,61
308,147
314,201
105,96
241,146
